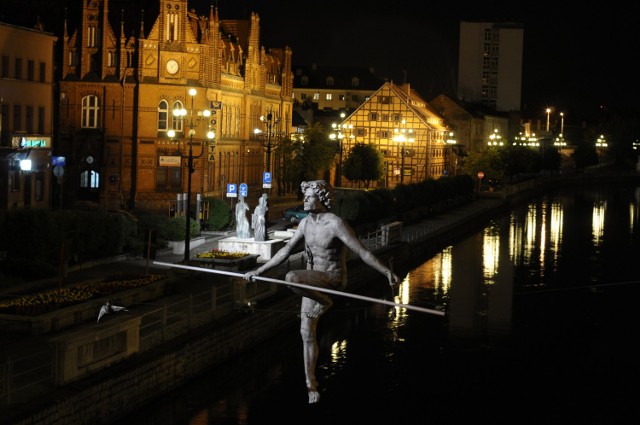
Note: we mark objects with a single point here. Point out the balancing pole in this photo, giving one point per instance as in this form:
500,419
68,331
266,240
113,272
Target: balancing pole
301,285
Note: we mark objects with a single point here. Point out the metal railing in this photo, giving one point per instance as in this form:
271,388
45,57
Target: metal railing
417,234
372,240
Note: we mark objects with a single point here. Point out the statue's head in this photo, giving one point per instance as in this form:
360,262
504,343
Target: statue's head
322,189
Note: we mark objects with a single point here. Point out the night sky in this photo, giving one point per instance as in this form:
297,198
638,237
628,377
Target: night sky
578,60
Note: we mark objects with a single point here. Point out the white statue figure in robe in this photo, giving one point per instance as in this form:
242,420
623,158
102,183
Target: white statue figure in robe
242,223
259,220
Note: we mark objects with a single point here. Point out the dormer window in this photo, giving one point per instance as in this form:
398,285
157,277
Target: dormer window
330,81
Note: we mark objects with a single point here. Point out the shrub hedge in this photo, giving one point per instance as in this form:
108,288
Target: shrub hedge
34,236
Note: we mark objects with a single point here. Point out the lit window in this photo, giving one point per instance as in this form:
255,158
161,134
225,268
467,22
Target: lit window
177,120
90,179
163,115
90,110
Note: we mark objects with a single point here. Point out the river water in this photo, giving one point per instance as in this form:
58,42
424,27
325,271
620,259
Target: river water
540,328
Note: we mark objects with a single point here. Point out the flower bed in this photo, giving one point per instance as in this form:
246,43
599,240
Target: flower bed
47,301
51,310
225,260
221,254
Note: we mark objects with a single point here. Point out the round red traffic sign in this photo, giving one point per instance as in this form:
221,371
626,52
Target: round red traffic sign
480,175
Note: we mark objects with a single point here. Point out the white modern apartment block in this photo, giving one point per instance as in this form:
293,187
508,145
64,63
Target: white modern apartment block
490,64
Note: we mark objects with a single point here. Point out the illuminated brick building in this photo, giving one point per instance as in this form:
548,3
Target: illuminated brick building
118,92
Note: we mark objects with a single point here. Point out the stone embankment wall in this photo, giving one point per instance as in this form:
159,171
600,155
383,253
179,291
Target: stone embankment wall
112,393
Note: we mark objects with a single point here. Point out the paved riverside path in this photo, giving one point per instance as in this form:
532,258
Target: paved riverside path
436,225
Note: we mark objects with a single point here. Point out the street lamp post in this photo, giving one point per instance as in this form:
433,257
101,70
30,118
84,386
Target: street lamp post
269,120
601,145
495,139
192,124
402,135
451,142
340,135
562,125
548,111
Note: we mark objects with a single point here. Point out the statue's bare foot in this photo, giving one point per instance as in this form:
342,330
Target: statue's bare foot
319,309
314,396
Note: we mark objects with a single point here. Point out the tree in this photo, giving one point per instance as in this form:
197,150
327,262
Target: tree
364,163
520,161
305,158
489,161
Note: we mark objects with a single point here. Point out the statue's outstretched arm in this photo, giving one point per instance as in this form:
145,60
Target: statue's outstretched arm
279,257
350,239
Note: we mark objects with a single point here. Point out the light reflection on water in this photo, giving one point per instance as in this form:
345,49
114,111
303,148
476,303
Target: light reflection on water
520,331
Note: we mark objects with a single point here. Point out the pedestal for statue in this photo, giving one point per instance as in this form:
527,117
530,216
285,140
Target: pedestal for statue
265,249
284,234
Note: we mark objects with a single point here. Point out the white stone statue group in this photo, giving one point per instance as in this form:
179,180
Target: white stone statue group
258,219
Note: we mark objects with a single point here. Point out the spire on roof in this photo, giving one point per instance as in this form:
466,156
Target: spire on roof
142,23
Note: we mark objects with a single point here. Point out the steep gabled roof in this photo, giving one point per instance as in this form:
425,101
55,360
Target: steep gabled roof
429,117
239,29
419,106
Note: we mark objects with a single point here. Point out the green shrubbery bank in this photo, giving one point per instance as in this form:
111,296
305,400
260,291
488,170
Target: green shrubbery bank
34,239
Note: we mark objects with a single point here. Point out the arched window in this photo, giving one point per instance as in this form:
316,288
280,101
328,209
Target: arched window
90,110
177,120
93,34
163,116
90,179
112,58
355,82
330,81
172,25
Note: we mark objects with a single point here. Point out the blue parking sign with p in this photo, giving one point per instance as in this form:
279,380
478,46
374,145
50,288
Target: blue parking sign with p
266,180
232,190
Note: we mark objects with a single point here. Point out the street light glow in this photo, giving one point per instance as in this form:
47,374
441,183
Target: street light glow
340,131
194,121
495,139
402,135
